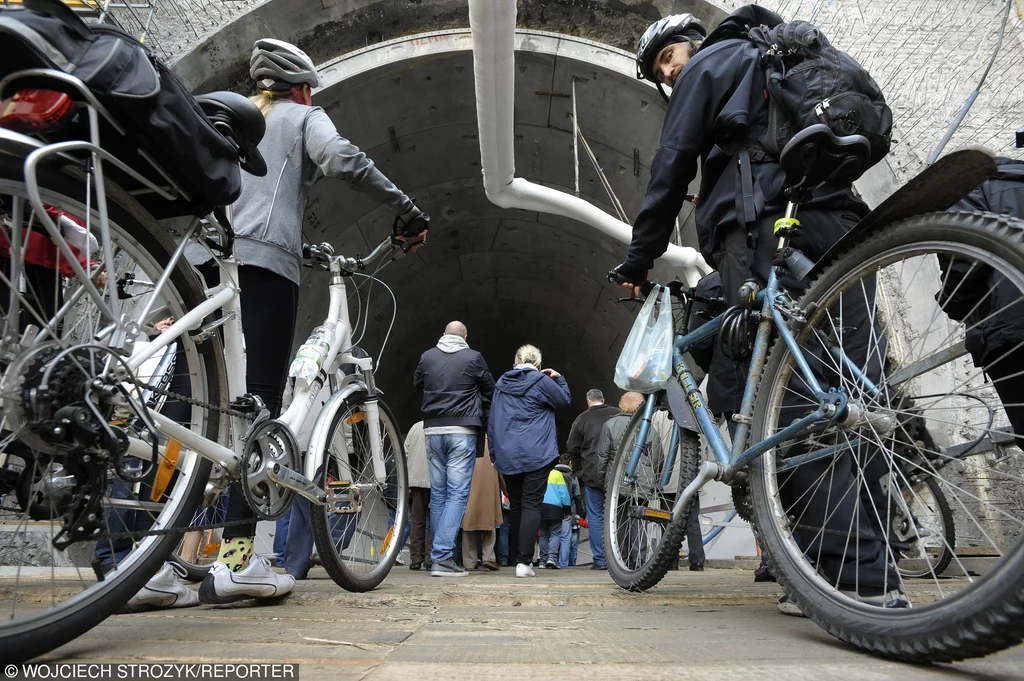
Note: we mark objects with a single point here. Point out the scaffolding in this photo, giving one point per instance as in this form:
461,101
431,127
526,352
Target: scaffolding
169,27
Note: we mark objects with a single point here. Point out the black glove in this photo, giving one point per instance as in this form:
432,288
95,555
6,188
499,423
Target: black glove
627,274
412,223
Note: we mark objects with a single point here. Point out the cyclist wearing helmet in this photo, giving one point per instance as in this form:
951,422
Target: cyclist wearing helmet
301,144
717,110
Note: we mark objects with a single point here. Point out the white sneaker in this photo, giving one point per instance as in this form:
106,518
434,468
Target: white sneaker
788,607
164,590
257,580
524,571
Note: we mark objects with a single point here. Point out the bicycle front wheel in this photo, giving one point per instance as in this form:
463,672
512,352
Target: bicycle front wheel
916,327
361,534
641,541
80,527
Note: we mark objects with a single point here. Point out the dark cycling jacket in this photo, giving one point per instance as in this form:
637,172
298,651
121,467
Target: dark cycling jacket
717,110
974,300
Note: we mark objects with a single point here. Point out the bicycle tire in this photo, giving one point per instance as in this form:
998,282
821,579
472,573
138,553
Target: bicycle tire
983,617
948,535
43,629
359,539
639,554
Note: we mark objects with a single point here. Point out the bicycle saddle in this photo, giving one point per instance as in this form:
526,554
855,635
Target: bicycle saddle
815,156
239,120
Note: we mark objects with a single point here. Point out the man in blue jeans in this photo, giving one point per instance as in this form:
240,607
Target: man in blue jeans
583,439
457,388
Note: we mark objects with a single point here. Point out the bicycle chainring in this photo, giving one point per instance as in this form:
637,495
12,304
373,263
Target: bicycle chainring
271,443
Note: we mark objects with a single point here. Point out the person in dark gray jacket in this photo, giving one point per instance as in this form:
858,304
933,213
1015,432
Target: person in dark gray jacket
583,437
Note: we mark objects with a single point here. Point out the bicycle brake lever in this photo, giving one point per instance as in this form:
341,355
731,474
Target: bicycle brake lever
631,299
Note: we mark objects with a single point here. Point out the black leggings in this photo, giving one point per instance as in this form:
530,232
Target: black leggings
269,306
525,496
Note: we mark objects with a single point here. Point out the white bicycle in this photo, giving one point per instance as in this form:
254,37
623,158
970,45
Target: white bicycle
106,471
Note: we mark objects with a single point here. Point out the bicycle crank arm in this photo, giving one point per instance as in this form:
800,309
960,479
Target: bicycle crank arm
709,470
296,482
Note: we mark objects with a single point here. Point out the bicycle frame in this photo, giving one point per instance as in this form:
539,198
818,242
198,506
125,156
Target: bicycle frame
121,333
225,297
728,460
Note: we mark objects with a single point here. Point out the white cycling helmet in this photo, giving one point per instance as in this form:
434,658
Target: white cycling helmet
277,65
673,28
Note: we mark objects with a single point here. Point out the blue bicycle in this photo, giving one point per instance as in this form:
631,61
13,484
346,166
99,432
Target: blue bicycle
895,373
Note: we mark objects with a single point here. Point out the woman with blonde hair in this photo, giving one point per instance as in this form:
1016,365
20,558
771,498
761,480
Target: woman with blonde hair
524,444
301,145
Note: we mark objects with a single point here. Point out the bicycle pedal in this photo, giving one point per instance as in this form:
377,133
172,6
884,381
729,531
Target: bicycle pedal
644,513
343,498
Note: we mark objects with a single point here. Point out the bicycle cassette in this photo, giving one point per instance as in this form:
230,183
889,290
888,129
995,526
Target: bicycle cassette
270,443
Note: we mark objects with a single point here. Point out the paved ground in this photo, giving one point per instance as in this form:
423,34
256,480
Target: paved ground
566,624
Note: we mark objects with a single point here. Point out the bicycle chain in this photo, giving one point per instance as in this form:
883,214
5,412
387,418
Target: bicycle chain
139,534
190,528
193,401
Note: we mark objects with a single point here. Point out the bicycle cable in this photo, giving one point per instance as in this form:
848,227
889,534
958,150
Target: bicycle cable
394,314
372,278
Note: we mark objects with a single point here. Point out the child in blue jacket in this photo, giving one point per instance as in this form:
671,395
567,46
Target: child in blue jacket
557,505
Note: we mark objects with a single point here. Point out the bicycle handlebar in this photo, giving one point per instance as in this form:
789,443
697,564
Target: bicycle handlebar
322,255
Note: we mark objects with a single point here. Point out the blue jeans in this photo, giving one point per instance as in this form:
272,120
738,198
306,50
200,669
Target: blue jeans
564,539
299,543
451,459
501,546
574,545
550,530
595,523
280,539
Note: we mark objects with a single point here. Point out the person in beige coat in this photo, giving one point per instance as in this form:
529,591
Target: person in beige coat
419,494
483,514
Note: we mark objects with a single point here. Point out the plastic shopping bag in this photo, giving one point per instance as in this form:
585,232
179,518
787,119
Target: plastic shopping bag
645,364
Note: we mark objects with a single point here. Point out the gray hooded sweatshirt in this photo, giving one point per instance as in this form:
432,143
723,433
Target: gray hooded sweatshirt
301,143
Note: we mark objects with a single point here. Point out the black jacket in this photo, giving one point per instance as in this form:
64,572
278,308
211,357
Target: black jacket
582,445
457,387
717,111
985,301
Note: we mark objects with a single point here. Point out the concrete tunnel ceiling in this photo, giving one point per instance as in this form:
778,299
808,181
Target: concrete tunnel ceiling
511,276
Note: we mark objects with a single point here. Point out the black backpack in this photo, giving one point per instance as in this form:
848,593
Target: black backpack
160,115
810,81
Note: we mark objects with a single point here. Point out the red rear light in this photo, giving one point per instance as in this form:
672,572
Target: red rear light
33,111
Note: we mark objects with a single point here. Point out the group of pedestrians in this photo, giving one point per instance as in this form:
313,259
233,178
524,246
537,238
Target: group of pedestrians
486,440
468,416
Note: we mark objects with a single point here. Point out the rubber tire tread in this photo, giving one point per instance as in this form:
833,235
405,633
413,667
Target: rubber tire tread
321,530
667,552
52,631
982,619
948,532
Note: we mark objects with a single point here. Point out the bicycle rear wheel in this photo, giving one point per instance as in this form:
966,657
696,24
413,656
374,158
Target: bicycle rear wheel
49,592
198,550
889,323
359,546
641,542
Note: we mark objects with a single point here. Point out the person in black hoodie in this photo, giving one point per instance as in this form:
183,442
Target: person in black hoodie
717,111
457,387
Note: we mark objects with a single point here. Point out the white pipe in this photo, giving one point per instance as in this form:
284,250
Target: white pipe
493,24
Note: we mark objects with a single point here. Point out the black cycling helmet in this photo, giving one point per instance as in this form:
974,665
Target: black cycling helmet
673,28
277,65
